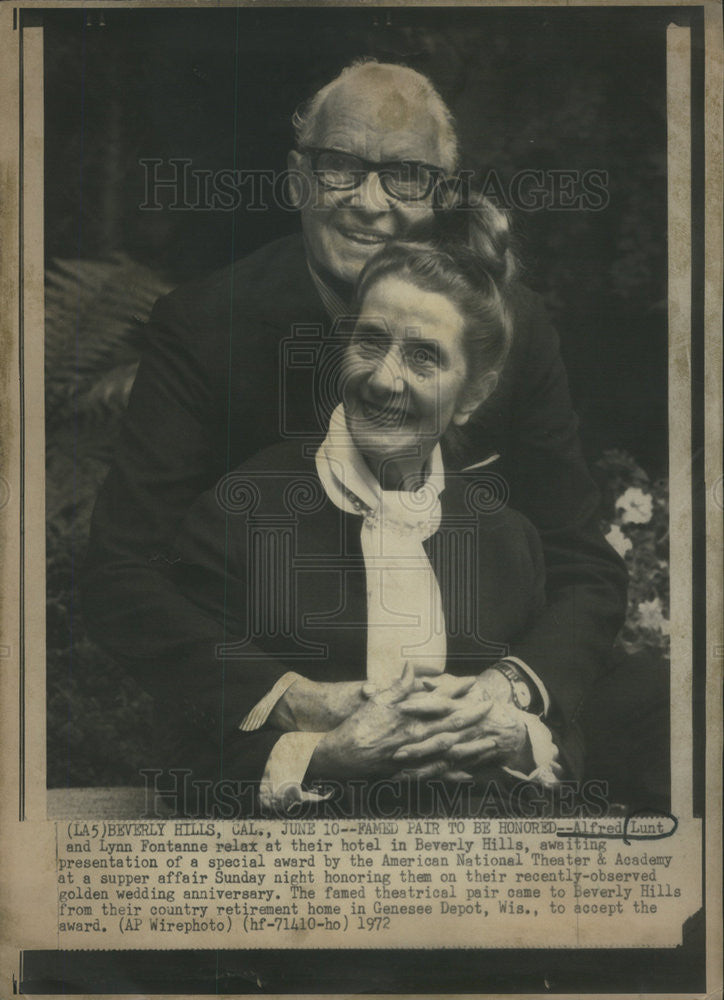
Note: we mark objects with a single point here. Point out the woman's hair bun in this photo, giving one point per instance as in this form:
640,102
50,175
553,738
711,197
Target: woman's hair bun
469,219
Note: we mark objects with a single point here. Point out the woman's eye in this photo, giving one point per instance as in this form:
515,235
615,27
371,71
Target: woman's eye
422,357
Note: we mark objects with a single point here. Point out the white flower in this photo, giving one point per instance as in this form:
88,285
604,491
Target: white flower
637,507
651,614
617,540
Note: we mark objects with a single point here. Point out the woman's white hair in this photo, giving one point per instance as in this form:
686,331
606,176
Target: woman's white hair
420,87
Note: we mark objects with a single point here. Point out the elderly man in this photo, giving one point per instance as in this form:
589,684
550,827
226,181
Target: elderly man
210,392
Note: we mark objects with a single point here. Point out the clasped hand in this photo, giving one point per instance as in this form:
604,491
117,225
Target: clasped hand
441,726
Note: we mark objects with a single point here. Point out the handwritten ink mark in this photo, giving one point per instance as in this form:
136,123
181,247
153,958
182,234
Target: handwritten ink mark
624,834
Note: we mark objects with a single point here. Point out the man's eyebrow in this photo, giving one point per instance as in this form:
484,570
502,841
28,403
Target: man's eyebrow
402,158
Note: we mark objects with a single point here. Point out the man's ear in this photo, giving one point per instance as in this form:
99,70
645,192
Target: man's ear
474,397
296,185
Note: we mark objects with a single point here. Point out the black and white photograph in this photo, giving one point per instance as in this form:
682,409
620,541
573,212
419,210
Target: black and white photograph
367,352
212,573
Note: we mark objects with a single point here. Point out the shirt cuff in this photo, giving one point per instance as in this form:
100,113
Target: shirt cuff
281,784
256,718
548,769
533,676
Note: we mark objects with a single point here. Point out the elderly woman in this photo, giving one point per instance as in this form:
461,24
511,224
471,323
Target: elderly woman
361,561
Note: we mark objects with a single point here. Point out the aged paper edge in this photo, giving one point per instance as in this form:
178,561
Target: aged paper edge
714,447
22,304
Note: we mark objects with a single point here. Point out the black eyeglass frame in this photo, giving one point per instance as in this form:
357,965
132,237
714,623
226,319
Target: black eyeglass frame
371,167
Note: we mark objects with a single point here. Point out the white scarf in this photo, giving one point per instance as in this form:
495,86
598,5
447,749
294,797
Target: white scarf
405,619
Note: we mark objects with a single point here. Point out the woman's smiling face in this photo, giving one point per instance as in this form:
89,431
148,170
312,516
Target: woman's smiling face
405,370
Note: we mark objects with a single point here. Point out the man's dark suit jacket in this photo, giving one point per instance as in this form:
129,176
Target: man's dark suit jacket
245,358
280,567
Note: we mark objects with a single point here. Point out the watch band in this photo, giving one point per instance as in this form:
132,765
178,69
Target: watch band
519,689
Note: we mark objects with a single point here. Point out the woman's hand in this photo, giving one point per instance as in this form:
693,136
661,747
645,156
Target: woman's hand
505,726
499,737
367,744
316,707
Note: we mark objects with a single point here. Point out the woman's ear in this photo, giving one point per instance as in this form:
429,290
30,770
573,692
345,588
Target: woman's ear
474,397
294,180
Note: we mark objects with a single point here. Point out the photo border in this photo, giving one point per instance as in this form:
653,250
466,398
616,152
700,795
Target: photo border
22,513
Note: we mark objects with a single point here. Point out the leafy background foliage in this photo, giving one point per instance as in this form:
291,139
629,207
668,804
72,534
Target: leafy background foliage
635,520
98,718
544,89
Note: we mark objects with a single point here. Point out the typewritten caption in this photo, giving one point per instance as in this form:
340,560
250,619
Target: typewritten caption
367,883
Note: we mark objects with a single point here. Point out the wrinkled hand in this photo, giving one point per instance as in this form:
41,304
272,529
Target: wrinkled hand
495,685
367,743
316,707
436,695
499,737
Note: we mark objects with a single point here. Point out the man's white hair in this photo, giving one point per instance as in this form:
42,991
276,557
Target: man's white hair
420,88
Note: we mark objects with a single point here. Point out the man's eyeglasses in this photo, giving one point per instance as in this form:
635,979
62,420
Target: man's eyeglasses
406,180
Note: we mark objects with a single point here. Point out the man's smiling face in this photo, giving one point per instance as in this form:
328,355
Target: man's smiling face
378,116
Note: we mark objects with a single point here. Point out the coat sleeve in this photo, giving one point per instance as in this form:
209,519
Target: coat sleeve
132,605
566,735
570,641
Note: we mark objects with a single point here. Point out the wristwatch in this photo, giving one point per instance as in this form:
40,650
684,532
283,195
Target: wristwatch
519,688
